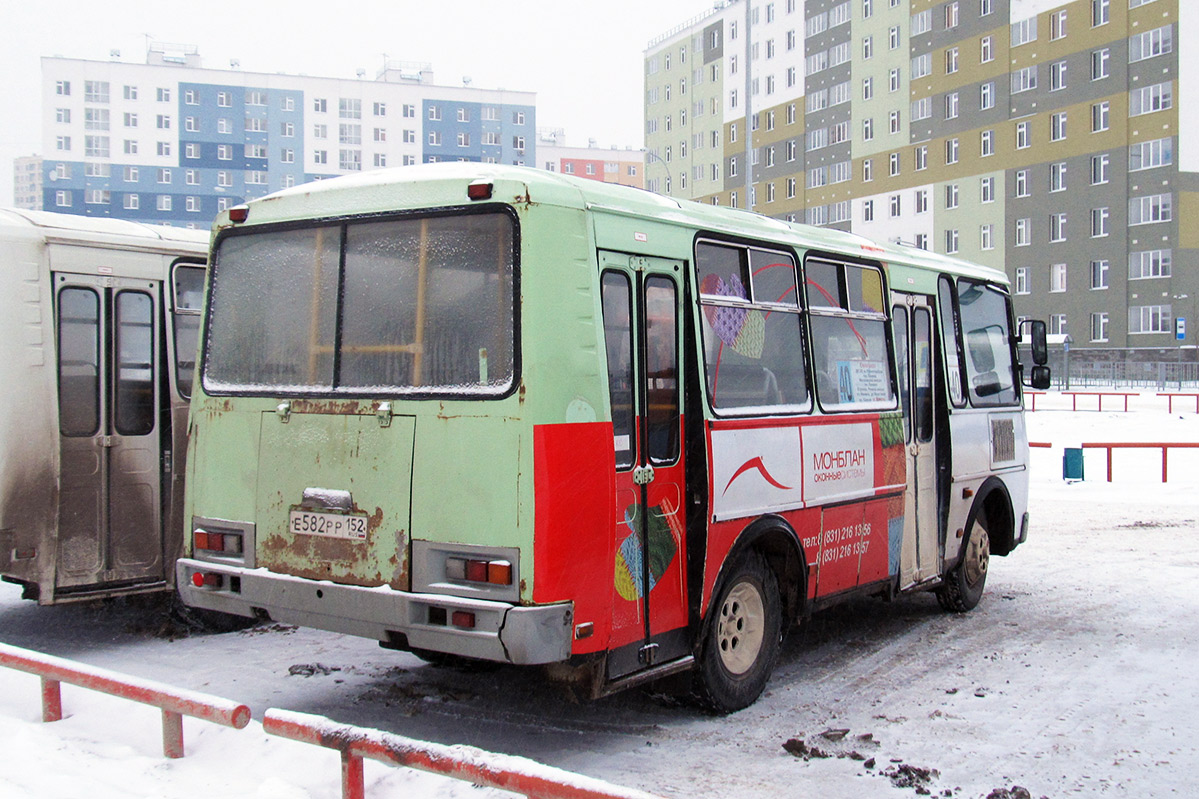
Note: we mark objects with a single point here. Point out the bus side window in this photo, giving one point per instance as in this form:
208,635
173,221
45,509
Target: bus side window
618,338
79,361
661,369
849,337
189,298
951,341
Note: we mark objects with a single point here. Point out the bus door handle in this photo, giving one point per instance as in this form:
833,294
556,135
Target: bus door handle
643,475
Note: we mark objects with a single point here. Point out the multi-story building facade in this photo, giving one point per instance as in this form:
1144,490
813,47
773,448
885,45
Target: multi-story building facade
605,164
172,142
27,182
1046,137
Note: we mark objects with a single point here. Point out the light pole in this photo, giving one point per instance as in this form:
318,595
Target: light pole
651,155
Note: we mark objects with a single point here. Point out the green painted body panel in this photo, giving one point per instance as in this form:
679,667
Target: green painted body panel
222,453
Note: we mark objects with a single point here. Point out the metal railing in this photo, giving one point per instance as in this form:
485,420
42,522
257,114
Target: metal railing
506,772
174,702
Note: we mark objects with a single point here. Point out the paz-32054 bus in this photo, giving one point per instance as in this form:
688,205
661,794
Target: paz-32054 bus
508,415
98,327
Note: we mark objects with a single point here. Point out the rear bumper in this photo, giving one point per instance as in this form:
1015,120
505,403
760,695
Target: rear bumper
502,632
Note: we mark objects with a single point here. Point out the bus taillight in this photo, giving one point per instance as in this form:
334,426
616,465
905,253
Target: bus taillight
495,572
479,190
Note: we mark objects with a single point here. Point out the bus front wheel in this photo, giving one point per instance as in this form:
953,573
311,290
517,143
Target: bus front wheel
742,637
963,587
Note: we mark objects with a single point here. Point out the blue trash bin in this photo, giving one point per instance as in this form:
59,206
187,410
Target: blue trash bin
1072,463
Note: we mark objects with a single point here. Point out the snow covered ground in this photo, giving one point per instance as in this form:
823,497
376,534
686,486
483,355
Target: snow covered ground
1071,678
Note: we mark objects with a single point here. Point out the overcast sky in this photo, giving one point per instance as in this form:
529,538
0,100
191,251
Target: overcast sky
583,60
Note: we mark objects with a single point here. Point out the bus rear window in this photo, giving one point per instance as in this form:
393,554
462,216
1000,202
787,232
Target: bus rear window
400,306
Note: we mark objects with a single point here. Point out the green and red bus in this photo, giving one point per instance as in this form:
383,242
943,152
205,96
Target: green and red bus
504,414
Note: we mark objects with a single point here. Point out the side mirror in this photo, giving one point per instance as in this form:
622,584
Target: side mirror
1039,378
1037,341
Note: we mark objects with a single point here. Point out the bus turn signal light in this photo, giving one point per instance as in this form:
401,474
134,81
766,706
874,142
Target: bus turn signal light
495,572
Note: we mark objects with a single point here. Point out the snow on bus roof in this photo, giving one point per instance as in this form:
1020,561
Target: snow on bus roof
73,226
382,189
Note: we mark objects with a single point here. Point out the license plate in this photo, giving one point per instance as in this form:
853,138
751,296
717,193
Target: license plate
330,525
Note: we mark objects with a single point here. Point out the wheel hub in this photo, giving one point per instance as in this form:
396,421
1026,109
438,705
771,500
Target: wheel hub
739,629
978,555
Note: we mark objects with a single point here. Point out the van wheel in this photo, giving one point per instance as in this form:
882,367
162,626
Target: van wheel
963,587
742,637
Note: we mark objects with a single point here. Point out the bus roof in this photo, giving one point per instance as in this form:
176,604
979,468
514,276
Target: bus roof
383,190
74,229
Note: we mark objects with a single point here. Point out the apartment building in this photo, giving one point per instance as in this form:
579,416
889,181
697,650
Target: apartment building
173,142
1045,137
623,166
27,182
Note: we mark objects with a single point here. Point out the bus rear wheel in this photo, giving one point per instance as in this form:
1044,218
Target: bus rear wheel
742,637
963,587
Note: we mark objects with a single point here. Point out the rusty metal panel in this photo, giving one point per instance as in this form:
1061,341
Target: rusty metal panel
316,455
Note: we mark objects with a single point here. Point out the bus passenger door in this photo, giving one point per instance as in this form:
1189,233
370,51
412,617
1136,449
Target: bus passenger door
641,302
920,555
109,506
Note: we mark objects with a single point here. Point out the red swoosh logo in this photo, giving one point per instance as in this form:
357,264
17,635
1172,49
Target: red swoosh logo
756,464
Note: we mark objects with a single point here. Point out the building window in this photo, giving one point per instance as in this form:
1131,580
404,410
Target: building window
951,151
951,60
1154,208
1099,326
95,146
951,196
130,146
62,88
1022,280
987,143
191,150
1057,126
1057,176
1057,25
922,203
191,177
164,96
1099,270
1150,154
951,105
1023,138
1099,117
1150,319
97,197
986,49
894,160
987,190
1100,63
1150,43
1024,80
132,202
1057,278
1099,220
867,170
193,204
95,91
1023,234
224,152
1149,99
1057,324
1024,31
1100,12
951,15
1099,168
920,155
896,204
951,241
867,210
1022,183
1057,227
1057,76
320,156
1146,264
986,237
986,97
287,156
164,202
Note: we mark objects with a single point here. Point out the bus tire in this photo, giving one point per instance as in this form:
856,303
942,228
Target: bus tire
963,587
742,639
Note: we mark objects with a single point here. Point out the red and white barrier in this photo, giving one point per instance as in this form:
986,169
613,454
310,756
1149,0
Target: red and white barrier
174,702
506,772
